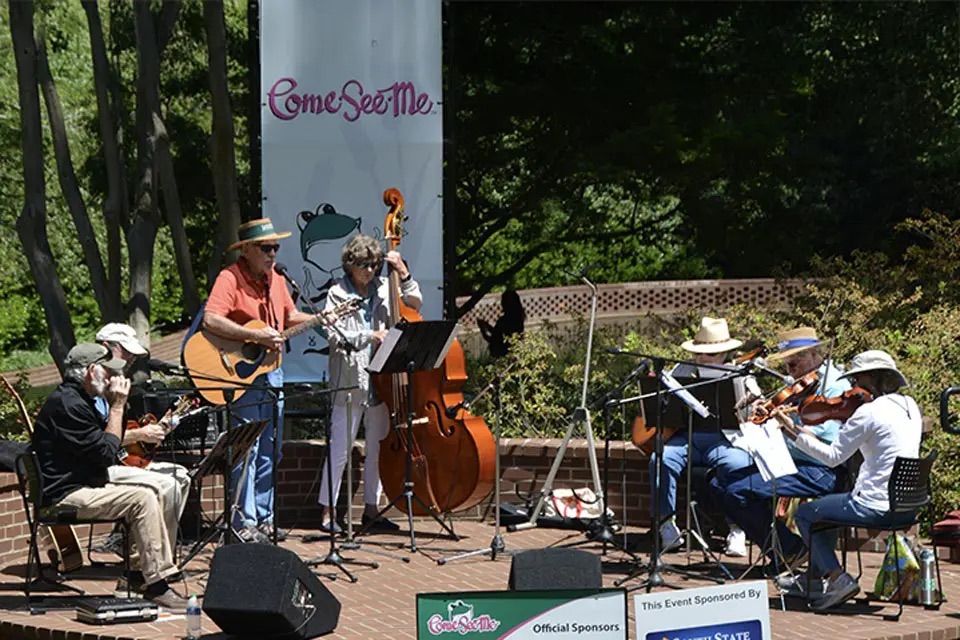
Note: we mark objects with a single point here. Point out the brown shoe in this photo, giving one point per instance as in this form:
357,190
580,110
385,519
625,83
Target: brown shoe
170,601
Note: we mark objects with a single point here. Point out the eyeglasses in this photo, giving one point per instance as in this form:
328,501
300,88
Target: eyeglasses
374,265
269,248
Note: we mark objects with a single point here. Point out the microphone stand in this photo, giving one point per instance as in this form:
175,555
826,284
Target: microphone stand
497,545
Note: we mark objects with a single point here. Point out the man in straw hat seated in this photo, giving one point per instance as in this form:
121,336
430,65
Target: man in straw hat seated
882,430
709,346
250,290
745,495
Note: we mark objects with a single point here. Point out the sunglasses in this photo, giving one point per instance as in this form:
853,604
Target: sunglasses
368,265
269,248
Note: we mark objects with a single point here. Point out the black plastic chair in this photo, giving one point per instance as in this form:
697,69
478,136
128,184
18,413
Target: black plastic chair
909,493
30,484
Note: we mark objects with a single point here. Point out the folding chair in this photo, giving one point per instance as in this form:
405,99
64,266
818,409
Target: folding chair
909,491
30,483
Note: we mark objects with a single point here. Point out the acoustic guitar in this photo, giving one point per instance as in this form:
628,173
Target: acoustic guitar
139,454
643,435
65,553
214,361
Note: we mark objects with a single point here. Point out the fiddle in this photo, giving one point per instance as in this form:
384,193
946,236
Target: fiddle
818,409
788,395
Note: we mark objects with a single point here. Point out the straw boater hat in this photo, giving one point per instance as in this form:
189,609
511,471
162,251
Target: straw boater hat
795,341
874,360
713,336
257,230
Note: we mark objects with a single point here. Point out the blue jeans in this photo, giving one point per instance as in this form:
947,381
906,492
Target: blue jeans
747,499
254,491
839,506
711,449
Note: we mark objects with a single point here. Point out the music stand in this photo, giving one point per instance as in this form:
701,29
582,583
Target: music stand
226,453
669,407
407,348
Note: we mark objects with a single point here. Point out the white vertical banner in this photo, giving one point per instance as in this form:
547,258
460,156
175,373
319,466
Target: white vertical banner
351,106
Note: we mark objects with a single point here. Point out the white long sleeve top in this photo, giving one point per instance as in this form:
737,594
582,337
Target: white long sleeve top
882,430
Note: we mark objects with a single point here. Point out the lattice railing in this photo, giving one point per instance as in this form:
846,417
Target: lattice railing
638,298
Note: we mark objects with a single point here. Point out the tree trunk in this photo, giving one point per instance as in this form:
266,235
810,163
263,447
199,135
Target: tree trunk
115,203
145,218
223,159
174,216
32,222
70,188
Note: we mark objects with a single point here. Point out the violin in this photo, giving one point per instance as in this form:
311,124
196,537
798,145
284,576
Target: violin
790,394
818,409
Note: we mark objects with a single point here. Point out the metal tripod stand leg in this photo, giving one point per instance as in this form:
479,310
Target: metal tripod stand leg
497,545
333,557
772,544
409,496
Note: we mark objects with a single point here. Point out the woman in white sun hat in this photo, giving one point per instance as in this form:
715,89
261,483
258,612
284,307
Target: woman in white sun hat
882,430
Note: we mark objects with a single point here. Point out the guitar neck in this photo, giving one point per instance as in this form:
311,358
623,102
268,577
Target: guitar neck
303,326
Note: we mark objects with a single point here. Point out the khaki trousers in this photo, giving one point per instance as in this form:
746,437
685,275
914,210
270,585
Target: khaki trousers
140,509
167,480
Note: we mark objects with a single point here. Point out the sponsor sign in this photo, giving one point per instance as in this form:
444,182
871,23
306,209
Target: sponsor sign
351,105
737,611
599,614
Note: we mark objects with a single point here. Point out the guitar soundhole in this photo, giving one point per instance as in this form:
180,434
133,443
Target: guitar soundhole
251,351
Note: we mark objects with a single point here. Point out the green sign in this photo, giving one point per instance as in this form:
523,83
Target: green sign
598,614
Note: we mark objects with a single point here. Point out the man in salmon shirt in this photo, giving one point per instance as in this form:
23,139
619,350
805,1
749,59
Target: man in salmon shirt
248,290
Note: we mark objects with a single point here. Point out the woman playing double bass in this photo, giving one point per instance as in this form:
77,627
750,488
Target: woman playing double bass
352,343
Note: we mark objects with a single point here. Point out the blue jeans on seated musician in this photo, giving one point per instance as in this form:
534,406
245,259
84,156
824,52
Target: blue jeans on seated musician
710,449
254,491
747,498
839,506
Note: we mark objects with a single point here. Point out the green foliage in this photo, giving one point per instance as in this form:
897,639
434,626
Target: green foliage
911,311
12,426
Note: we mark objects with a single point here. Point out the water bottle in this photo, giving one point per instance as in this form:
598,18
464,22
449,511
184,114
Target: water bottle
193,619
928,578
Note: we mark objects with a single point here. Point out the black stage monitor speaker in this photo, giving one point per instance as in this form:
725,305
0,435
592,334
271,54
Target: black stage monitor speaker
555,569
262,591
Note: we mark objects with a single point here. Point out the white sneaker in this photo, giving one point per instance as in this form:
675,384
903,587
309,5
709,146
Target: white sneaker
670,536
736,543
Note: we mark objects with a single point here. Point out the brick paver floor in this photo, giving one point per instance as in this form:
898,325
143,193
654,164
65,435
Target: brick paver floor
382,603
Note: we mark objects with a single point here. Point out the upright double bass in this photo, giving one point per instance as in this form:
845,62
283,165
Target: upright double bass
453,457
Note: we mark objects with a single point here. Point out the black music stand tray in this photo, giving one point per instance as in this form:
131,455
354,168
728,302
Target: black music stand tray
225,454
410,347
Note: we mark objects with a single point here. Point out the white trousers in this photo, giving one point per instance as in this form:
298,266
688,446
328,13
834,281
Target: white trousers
167,480
376,422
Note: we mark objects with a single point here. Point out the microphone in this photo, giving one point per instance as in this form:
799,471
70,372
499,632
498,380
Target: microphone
761,365
281,270
580,273
453,410
162,366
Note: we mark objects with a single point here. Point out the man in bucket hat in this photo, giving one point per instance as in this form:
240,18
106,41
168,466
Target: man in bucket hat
746,496
75,445
882,430
709,346
250,290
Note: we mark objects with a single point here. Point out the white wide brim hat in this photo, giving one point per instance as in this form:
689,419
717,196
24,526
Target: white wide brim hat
874,360
713,336
122,334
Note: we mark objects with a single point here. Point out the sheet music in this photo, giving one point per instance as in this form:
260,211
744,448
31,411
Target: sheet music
677,389
446,346
769,450
384,350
